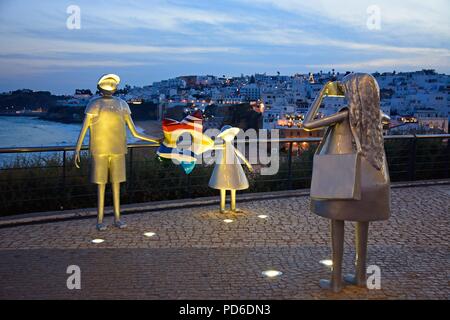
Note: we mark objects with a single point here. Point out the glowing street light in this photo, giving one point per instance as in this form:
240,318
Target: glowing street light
149,234
96,241
272,273
326,262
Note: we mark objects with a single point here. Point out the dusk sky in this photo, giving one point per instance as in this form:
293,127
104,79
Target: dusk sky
146,41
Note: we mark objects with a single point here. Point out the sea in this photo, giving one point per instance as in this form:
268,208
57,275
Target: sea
22,131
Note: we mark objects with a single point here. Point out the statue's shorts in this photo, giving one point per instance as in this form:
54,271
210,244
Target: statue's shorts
102,165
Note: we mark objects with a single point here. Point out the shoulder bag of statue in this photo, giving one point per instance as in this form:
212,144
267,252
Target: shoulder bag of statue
336,176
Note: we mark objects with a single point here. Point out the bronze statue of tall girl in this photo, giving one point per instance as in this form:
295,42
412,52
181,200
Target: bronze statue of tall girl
350,173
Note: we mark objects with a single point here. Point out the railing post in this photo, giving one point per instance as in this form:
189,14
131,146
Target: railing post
412,159
62,183
64,170
290,166
188,186
130,180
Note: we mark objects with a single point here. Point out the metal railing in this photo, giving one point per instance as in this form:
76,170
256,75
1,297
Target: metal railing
44,178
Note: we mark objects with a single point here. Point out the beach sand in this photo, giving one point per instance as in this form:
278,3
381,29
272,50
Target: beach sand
152,128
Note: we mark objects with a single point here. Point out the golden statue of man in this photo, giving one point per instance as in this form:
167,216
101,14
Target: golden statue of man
106,118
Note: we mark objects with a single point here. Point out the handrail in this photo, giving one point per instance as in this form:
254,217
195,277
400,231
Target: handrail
406,164
152,145
431,136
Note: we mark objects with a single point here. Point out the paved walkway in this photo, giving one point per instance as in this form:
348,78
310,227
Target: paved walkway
194,254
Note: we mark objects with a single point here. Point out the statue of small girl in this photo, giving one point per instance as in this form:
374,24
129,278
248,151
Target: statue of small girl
228,173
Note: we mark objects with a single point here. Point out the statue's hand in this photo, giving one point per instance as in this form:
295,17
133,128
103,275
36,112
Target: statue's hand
334,88
152,140
77,159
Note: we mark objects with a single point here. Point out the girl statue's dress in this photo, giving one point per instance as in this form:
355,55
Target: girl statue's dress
363,119
228,173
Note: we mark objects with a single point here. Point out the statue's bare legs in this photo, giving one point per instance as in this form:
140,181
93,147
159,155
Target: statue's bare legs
101,206
233,202
101,226
116,200
361,239
337,240
223,196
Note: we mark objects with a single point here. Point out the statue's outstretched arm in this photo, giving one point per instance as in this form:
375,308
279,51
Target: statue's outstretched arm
136,134
247,163
86,123
219,146
329,89
325,121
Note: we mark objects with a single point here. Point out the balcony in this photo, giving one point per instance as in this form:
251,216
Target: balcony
45,179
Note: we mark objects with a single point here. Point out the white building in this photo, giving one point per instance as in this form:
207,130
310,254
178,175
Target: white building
250,92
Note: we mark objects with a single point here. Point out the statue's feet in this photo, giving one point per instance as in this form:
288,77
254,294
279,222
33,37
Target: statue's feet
329,285
120,224
237,210
101,226
223,211
351,279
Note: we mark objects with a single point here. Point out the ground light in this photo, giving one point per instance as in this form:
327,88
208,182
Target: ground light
228,220
263,216
326,262
97,241
272,273
149,234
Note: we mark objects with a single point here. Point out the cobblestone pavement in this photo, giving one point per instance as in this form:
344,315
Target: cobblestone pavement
196,255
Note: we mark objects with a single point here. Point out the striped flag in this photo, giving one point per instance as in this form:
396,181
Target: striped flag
184,153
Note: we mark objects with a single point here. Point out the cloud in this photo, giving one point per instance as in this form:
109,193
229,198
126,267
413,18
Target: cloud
162,16
389,48
296,37
55,63
387,64
32,66
31,63
47,46
406,16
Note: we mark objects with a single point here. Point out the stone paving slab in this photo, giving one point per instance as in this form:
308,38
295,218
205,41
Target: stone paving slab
196,255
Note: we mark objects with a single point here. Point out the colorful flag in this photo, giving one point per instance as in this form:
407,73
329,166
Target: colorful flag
184,152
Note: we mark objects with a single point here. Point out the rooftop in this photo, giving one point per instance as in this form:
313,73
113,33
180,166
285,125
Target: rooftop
194,254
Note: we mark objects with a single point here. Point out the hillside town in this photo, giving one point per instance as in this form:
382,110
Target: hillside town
417,102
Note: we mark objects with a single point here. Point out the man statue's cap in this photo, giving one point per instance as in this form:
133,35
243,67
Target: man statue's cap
108,82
